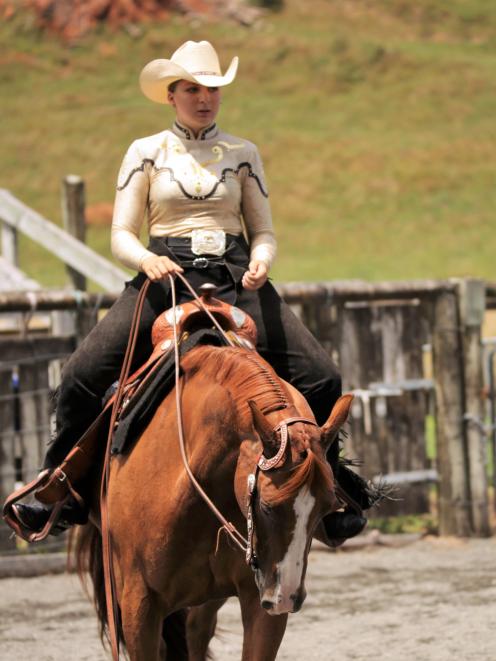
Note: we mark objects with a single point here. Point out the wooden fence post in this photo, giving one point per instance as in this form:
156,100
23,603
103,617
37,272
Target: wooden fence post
35,416
454,506
10,247
73,216
472,304
73,207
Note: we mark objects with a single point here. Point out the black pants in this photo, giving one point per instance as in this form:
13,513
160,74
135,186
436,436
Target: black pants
283,341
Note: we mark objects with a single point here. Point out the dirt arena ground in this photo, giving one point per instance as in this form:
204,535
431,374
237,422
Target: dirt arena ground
434,600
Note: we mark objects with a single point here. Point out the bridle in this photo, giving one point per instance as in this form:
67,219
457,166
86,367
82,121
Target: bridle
264,464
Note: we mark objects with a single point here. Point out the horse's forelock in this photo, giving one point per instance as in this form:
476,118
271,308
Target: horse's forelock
313,472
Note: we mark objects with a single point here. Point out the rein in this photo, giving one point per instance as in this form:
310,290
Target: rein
263,464
108,571
230,529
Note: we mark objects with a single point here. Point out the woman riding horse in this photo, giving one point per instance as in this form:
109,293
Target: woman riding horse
202,191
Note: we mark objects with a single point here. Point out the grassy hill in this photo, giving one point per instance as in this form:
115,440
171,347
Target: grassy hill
375,118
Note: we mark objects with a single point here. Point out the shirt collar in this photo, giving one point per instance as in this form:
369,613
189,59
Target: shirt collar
184,132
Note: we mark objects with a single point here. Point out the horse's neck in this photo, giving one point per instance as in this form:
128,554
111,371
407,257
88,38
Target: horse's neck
245,374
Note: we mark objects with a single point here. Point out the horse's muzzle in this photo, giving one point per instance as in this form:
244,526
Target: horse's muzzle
280,604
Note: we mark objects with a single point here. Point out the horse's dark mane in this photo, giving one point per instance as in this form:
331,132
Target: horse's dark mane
249,377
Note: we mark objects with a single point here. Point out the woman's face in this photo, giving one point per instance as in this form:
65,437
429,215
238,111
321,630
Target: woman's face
196,105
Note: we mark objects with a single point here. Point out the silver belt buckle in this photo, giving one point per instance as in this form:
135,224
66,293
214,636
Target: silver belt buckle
208,242
200,263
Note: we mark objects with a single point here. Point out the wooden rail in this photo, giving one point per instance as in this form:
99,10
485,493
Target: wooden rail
16,217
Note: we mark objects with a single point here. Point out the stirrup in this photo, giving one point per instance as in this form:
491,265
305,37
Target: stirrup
10,515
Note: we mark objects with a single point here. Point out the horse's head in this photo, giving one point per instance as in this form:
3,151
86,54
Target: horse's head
288,500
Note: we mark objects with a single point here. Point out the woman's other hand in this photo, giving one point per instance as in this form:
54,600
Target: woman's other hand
158,267
256,276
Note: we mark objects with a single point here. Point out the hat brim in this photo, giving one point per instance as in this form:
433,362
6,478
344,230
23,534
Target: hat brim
157,75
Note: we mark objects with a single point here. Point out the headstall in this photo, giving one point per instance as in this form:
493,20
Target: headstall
264,464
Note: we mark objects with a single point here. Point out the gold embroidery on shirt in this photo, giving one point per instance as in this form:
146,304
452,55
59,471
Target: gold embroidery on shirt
219,152
219,155
201,174
229,145
202,178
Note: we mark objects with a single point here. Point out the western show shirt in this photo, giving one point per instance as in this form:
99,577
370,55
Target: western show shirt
182,183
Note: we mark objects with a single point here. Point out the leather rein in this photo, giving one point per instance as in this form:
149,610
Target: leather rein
263,464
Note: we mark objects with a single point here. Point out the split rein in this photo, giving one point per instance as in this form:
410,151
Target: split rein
264,464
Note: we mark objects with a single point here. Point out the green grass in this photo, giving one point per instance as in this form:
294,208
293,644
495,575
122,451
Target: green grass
375,121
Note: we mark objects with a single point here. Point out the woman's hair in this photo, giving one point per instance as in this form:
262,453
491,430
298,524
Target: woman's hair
172,86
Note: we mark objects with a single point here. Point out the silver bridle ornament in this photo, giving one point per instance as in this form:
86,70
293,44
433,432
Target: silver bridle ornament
251,558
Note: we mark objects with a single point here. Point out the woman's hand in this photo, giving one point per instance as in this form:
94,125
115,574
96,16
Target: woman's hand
158,267
256,276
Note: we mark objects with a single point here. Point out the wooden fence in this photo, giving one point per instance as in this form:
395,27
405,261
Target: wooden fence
380,334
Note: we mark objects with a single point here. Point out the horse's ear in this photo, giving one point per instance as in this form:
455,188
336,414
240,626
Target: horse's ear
263,429
336,420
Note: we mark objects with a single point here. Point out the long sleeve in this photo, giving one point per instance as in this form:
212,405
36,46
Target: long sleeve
256,212
130,205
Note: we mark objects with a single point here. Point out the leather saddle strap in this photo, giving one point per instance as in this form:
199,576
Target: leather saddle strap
109,579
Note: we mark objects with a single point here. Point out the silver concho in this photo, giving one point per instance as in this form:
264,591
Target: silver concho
169,315
239,316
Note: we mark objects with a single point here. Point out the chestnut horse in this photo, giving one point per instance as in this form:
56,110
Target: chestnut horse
168,553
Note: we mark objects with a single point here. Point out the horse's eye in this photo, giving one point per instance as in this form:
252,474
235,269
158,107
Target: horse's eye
303,454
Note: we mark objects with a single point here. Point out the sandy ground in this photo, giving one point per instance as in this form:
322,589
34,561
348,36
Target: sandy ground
434,600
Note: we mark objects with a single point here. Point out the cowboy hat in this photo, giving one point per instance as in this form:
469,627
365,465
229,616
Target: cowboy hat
196,61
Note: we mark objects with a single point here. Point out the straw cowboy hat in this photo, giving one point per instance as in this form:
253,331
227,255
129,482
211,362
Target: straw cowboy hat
195,60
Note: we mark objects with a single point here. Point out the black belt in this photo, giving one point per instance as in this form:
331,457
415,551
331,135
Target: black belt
203,262
235,257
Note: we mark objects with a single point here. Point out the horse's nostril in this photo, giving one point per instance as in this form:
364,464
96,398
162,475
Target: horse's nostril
297,603
267,604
